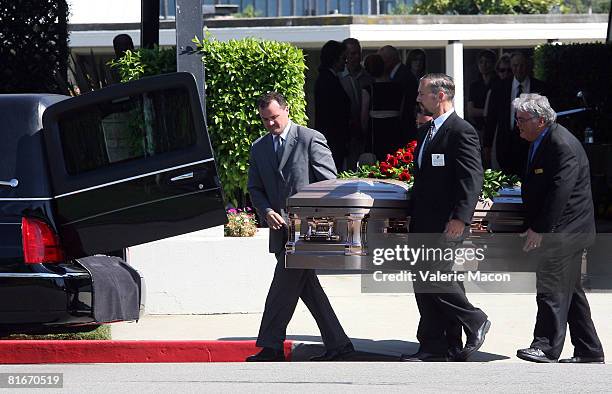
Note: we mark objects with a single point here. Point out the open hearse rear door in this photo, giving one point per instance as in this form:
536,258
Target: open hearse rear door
131,163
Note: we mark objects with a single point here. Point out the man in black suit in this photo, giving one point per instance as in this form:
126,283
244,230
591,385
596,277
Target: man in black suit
332,104
448,181
502,143
281,164
560,219
399,73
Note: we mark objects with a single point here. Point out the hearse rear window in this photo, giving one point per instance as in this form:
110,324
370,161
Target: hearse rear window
127,128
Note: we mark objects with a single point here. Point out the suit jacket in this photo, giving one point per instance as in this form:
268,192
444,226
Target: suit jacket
556,191
441,193
332,109
306,159
511,149
410,87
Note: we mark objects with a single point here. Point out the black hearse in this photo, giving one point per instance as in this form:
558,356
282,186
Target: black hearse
82,177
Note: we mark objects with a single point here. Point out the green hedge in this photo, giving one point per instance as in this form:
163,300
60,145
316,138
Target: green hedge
237,73
33,45
570,68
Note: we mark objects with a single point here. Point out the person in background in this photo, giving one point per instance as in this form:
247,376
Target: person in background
122,43
421,118
502,67
399,73
381,111
332,104
417,62
479,90
501,131
353,79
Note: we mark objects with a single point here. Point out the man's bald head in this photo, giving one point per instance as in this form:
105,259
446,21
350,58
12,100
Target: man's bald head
390,56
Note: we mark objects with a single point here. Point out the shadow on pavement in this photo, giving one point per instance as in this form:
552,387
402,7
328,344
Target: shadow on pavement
365,349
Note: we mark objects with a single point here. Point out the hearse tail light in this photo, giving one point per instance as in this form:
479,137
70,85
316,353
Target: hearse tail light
40,243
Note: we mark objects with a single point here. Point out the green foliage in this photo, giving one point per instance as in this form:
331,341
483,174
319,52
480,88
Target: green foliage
488,7
33,45
495,180
238,72
571,68
145,62
248,12
582,6
103,332
402,8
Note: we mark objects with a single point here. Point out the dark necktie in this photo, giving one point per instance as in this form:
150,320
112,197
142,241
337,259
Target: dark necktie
519,91
426,141
530,155
279,148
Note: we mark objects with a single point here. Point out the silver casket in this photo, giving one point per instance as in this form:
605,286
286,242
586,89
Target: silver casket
335,224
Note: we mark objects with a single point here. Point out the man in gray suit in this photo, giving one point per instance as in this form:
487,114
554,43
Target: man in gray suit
281,164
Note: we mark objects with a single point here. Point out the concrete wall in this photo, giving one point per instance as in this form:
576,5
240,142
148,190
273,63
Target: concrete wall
205,273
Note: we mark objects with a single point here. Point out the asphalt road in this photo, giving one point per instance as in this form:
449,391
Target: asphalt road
324,377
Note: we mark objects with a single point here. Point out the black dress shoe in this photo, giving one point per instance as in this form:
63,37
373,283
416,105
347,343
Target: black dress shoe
583,360
336,354
425,357
534,355
475,342
267,354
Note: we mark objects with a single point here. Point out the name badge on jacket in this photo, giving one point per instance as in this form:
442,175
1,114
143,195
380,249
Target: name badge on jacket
539,171
437,160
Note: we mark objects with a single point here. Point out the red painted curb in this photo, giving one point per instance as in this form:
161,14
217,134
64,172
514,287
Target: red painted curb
83,351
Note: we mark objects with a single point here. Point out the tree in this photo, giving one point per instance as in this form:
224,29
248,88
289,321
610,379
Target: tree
33,45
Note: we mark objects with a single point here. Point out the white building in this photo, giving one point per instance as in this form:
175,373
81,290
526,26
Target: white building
450,41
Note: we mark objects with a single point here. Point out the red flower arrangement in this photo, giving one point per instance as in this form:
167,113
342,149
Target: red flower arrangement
396,166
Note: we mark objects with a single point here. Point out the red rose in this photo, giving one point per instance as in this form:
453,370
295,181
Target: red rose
384,167
412,145
408,157
392,161
405,176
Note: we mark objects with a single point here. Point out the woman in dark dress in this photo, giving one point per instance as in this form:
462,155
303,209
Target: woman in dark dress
381,111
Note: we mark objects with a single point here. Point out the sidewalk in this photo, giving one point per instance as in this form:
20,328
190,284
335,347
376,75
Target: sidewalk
382,326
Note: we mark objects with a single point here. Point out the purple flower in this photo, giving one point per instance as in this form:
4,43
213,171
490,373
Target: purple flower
232,210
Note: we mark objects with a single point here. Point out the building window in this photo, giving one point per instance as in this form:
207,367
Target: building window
167,9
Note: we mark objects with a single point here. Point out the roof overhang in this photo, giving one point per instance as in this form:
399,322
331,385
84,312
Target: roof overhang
373,32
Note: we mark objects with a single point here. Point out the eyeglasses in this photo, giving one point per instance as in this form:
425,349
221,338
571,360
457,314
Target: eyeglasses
523,120
504,70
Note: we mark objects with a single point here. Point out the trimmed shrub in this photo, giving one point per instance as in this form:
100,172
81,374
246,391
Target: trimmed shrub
579,67
33,45
238,72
